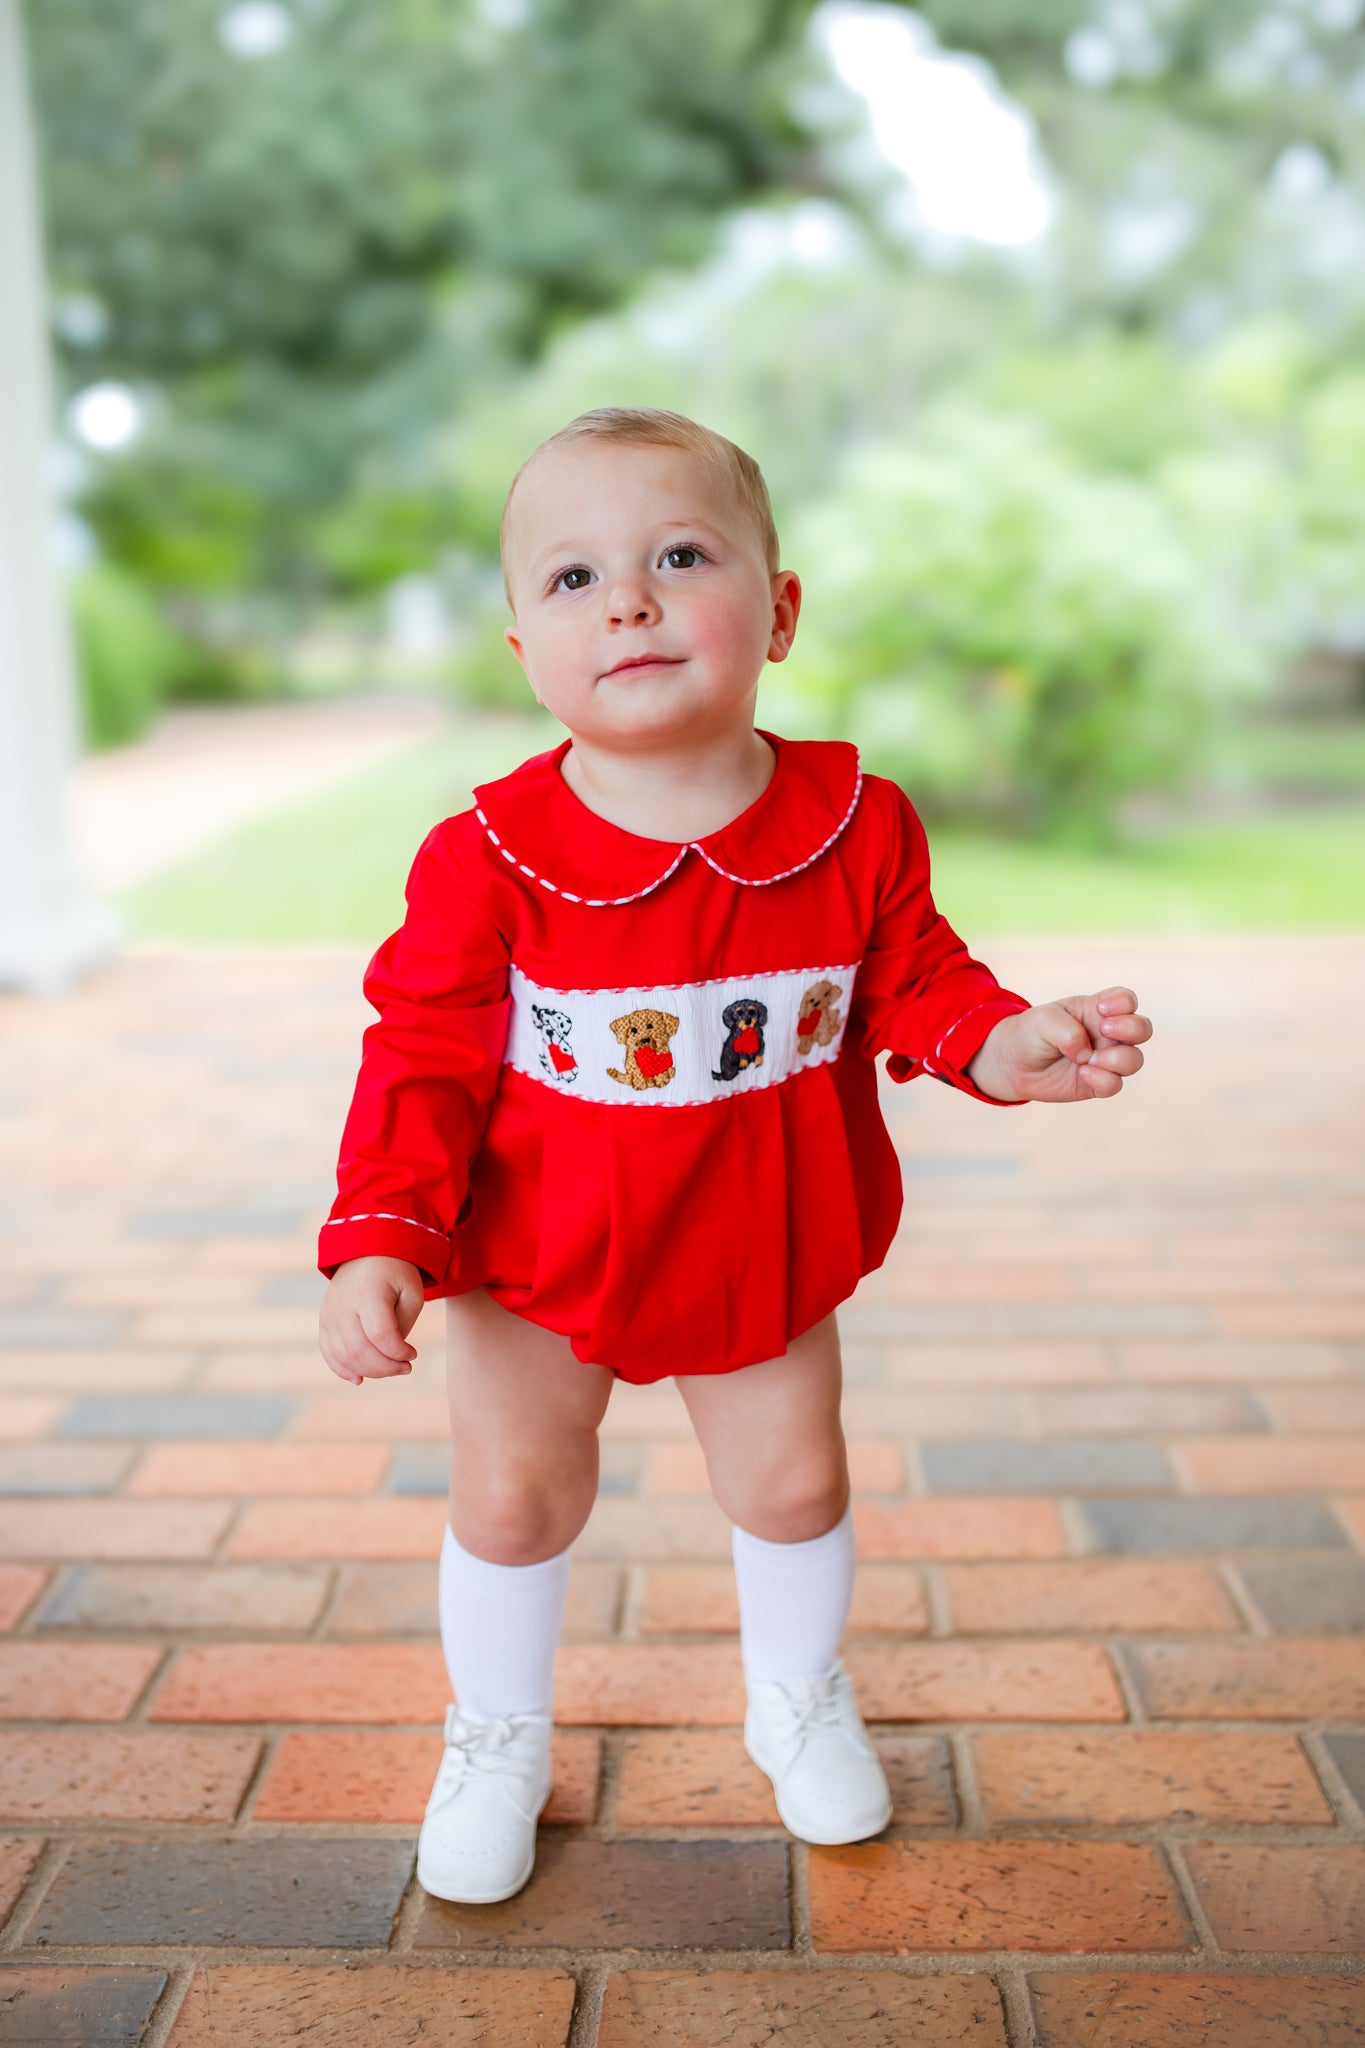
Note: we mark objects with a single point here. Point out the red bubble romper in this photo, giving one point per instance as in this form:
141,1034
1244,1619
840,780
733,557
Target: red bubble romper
628,1086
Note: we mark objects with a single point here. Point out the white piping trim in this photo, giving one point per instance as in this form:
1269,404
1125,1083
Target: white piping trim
691,846
591,902
658,1101
631,988
383,1216
989,1004
763,881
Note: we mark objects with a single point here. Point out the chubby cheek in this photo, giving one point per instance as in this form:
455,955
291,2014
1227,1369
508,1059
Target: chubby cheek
728,638
560,663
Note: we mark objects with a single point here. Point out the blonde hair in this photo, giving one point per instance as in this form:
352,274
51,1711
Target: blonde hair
650,427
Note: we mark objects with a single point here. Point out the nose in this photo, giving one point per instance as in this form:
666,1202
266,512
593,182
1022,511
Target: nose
630,602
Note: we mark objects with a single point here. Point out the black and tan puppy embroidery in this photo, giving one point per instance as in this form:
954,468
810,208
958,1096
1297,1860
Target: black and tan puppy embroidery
819,1020
743,1047
645,1035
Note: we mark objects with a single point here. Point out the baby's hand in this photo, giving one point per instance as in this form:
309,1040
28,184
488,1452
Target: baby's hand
1069,1051
367,1311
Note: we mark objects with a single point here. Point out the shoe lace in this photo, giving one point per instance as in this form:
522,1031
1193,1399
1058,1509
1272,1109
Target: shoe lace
481,1747
815,1704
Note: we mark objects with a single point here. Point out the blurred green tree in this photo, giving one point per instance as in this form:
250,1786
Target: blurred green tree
1022,643
355,259
308,243
1210,154
309,232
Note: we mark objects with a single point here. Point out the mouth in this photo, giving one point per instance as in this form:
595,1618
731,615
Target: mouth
638,663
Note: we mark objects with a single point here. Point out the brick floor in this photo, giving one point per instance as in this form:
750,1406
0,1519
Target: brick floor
1106,1407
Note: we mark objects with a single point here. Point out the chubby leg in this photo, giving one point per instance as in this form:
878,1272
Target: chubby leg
523,1415
523,1423
775,1453
772,1438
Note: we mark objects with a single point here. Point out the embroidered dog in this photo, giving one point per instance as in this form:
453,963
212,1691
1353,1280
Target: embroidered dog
645,1035
556,1055
744,1021
819,1021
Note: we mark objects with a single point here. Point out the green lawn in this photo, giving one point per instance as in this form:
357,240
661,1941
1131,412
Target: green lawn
330,871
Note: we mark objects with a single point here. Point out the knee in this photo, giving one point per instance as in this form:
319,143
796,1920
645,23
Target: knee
791,1502
514,1517
512,1526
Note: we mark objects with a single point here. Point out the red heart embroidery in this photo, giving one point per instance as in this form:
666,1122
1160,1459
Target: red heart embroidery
747,1041
650,1062
563,1061
805,1025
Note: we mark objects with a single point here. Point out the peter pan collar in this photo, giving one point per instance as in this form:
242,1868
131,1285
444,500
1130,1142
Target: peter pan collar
547,833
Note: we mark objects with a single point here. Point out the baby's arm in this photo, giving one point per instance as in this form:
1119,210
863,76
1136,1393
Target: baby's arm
919,995
428,1075
367,1311
1069,1051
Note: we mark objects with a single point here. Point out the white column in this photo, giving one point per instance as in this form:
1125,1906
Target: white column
51,927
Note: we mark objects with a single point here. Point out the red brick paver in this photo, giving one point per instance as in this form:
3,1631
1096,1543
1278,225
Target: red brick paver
1114,1594
1156,2010
959,1528
353,1777
904,1897
142,1774
72,1681
350,2007
1146,1774
1309,1901
191,1469
872,2008
1253,1681
1126,1730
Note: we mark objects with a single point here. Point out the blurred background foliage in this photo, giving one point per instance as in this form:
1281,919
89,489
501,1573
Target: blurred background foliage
1069,510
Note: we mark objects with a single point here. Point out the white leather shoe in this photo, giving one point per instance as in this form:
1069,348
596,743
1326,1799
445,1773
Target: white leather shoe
478,1839
808,1736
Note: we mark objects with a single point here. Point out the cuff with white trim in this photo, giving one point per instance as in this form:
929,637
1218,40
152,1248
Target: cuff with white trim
389,1237
959,1046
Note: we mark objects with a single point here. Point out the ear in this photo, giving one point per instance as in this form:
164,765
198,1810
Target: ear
509,634
786,590
620,1027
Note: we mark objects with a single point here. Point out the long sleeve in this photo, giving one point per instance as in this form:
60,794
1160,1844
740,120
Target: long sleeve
919,994
429,1069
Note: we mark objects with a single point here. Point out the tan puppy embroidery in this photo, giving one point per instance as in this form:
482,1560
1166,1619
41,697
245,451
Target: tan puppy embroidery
819,1020
645,1035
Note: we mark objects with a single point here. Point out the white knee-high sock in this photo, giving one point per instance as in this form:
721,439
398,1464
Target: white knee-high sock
500,1628
793,1600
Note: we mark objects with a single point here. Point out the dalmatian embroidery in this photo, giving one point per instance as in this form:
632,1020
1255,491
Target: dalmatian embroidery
819,1020
556,1055
645,1035
743,1020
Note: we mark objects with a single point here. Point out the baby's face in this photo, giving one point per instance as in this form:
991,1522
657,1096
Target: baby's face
633,554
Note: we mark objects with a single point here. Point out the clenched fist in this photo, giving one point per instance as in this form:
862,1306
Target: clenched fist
1068,1051
367,1311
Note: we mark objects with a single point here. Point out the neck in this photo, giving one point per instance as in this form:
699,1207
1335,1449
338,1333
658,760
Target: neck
685,790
